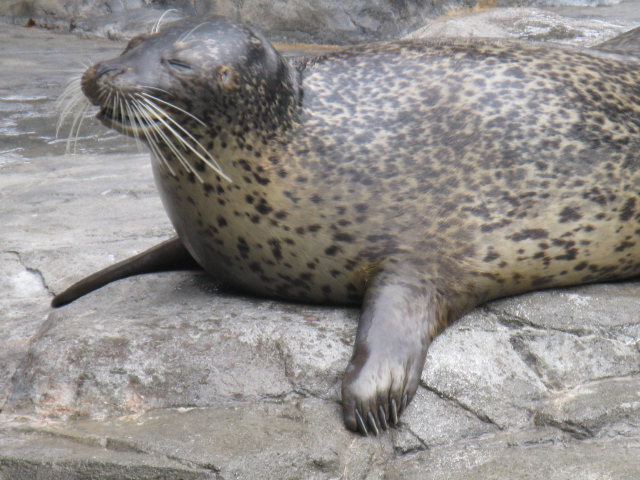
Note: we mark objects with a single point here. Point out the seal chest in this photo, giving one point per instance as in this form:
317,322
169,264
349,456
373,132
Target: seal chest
417,178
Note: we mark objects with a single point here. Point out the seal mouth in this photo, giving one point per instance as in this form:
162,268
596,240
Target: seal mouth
132,123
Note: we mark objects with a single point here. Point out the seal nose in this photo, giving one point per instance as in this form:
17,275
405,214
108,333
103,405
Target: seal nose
104,68
96,76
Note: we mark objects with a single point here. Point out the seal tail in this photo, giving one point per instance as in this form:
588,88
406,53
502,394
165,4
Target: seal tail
168,255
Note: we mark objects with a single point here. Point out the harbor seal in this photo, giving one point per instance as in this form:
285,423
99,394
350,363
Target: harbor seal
415,178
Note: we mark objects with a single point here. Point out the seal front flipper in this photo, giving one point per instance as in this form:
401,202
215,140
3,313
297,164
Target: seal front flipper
168,255
400,316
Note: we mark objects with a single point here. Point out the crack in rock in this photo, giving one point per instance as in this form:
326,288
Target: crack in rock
458,403
579,432
33,271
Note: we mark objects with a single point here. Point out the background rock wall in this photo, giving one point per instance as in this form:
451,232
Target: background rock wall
339,22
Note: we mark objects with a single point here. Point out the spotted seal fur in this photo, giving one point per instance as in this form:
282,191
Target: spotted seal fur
417,178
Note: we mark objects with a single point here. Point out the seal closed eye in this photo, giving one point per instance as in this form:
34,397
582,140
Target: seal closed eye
415,178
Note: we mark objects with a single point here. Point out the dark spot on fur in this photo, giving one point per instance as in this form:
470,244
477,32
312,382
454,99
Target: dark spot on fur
244,164
542,281
243,247
569,214
491,256
628,210
261,180
360,207
276,248
255,267
343,237
263,207
624,245
490,227
529,234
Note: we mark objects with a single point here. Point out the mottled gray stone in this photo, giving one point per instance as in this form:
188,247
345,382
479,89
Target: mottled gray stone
520,457
181,344
537,24
583,310
433,420
320,21
36,455
603,409
468,363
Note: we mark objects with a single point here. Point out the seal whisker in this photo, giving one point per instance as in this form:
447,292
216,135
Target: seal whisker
149,87
157,131
153,98
154,131
156,27
70,100
73,86
192,31
211,162
152,142
74,131
136,119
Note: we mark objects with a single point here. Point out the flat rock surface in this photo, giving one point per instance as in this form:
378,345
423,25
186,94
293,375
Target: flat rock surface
168,376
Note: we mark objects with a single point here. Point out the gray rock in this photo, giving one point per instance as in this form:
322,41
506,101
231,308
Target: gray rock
180,345
468,363
321,21
345,22
602,409
537,24
520,457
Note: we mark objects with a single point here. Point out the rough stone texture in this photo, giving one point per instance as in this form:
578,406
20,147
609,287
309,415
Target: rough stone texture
320,21
167,376
589,27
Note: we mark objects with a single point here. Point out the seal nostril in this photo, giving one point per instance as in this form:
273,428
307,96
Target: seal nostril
102,69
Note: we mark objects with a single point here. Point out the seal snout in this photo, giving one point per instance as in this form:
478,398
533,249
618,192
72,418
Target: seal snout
99,76
106,68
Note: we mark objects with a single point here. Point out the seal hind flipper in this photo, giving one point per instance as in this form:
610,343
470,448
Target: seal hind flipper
399,319
168,255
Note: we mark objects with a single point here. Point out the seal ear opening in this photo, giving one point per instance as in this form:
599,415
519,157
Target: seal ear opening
228,77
